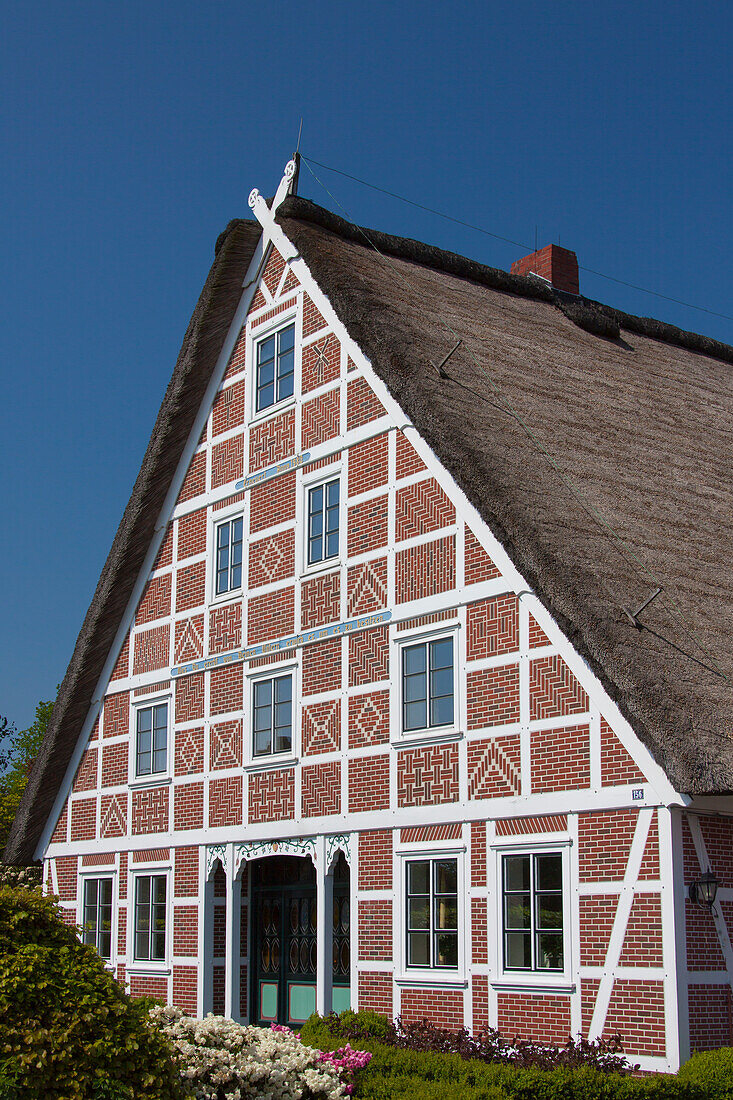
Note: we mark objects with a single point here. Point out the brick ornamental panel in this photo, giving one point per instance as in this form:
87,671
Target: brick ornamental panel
272,503
195,481
375,860
375,929
368,526
228,410
617,766
272,559
321,418
426,570
225,628
553,690
188,806
523,826
362,404
494,767
115,760
321,363
272,796
226,745
225,802
192,534
189,639
368,719
420,508
368,656
155,602
542,1017
427,776
537,636
367,587
86,774
150,810
191,586
368,783
429,834
113,815
190,698
408,460
226,689
442,1007
320,600
492,627
321,789
492,696
227,461
83,819
561,759
478,565
189,751
322,727
186,876
321,667
117,715
272,440
152,649
271,616
368,465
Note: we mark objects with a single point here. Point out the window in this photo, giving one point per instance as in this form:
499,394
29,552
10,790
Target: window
432,913
272,715
97,916
150,914
323,522
151,744
533,912
228,556
275,368
427,685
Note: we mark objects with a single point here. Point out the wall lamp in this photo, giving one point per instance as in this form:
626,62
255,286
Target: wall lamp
704,891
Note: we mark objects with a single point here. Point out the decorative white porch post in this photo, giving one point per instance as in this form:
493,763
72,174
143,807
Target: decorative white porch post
232,967
324,933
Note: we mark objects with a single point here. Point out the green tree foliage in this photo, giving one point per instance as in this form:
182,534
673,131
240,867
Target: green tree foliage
68,1028
18,750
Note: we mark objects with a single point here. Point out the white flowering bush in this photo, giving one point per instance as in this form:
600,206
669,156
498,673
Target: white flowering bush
219,1058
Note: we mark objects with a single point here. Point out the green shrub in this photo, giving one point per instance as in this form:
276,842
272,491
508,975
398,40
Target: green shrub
711,1070
68,1028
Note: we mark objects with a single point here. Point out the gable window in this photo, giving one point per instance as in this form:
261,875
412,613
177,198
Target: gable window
272,715
323,522
151,740
97,915
533,912
432,913
427,685
275,368
150,917
228,556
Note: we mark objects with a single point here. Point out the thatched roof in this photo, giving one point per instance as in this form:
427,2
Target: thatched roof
635,413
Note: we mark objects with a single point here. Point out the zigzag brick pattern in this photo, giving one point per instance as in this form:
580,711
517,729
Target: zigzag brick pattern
553,690
272,503
189,643
225,801
271,615
368,783
195,481
272,796
189,751
227,461
368,719
192,534
368,464
150,810
117,714
362,404
226,745
115,760
321,789
225,628
191,586
113,820
321,667
368,656
320,418
478,565
190,698
367,526
560,758
272,440
320,600
492,627
367,587
426,570
188,806
492,696
86,774
422,507
408,460
156,600
321,363
617,766
228,410
322,727
427,776
272,559
494,767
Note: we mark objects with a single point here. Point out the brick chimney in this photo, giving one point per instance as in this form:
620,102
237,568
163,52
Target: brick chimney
558,265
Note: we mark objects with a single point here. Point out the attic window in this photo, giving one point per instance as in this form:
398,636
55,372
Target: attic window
275,368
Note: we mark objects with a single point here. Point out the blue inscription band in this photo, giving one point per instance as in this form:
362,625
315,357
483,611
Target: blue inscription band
292,642
273,471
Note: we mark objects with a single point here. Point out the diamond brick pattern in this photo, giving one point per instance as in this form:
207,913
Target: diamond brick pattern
426,570
537,636
190,698
83,819
478,565
368,719
367,526
321,363
225,801
362,404
272,795
272,559
272,440
152,649
189,642
189,751
553,690
368,465
113,815
368,783
492,696
368,656
117,714
561,758
228,410
155,602
408,460
617,766
115,759
321,667
322,727
320,600
320,418
195,481
421,508
150,810
226,689
191,586
225,628
494,767
427,776
226,745
492,627
321,788
188,806
192,534
271,616
86,774
227,461
272,503
367,587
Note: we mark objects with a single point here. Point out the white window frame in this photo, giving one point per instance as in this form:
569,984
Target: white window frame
561,980
153,779
434,976
143,966
323,476
219,521
256,335
225,515
273,759
86,875
429,734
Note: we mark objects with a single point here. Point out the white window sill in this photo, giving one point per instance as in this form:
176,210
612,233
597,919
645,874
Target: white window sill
145,781
436,736
533,983
158,970
231,596
267,763
418,979
330,565
272,410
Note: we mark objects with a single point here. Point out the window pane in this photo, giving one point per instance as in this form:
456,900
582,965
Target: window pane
549,911
142,893
262,742
418,949
144,720
266,396
266,349
263,693
141,945
441,653
518,951
418,913
284,688
418,877
446,949
332,544
287,338
414,688
283,739
517,912
158,945
441,711
516,872
105,945
548,870
159,889
332,493
416,716
159,761
316,500
413,660
446,877
446,913
549,951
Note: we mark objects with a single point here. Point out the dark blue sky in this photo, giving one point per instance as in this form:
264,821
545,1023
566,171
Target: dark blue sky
132,133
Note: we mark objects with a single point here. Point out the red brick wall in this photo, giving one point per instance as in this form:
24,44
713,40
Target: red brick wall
420,508
321,667
711,1017
321,787
272,795
425,570
368,465
375,929
375,859
561,758
375,992
443,1007
617,767
368,783
427,776
544,1017
492,696
492,627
